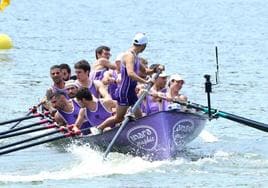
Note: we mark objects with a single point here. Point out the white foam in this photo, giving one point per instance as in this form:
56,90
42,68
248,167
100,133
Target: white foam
208,137
88,164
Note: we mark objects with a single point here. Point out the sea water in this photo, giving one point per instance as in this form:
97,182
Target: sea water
182,36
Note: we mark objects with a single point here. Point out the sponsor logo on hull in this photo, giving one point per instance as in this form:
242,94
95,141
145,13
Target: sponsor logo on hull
143,137
181,130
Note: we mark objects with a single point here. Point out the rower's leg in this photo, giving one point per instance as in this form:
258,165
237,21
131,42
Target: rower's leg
117,118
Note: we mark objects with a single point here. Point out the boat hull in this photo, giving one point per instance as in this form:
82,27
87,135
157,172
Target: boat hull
159,136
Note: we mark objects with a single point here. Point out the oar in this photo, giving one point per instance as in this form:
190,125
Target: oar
61,129
50,126
32,110
205,135
65,135
43,121
226,115
24,118
127,117
16,124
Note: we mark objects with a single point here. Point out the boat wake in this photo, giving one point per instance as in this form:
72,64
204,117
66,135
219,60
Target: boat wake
87,164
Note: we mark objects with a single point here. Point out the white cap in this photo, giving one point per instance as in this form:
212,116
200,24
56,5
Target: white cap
163,74
140,39
175,77
70,83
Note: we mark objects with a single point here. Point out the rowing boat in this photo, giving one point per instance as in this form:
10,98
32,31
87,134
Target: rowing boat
159,136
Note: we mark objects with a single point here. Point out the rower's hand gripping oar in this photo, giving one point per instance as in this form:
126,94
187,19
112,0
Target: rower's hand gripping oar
132,110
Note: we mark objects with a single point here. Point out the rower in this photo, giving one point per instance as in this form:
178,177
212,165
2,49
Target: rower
71,88
126,94
66,71
153,103
58,85
93,110
57,78
111,81
102,62
175,84
96,87
67,111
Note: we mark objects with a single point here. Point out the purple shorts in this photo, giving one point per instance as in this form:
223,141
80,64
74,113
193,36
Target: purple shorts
126,97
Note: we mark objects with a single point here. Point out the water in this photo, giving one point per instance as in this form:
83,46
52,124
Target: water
182,36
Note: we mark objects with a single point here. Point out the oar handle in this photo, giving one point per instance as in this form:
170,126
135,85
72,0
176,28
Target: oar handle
132,110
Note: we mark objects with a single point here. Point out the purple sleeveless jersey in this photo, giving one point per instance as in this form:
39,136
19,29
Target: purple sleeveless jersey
55,89
91,88
125,93
98,74
150,106
70,117
113,86
99,115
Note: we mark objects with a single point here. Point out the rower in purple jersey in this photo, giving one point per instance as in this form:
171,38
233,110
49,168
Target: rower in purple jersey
153,103
175,85
126,94
58,85
58,82
98,115
67,111
96,87
102,62
172,92
95,111
98,74
91,87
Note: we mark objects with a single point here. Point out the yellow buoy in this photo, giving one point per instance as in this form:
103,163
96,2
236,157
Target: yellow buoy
5,42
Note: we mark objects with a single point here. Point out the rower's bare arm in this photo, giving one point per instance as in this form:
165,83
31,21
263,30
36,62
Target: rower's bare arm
110,105
155,69
59,119
106,63
81,118
102,90
129,60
